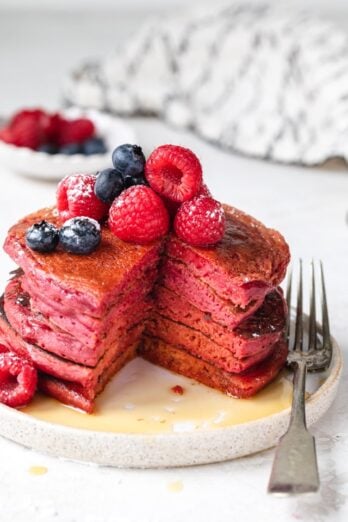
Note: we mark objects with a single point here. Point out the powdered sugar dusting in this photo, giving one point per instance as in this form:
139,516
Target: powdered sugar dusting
76,197
200,221
91,220
80,187
119,202
44,226
217,214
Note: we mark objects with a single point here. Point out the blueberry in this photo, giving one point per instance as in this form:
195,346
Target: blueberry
129,181
80,235
70,149
94,146
49,148
109,185
129,160
42,237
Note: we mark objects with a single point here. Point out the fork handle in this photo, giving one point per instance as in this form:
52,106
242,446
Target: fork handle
295,468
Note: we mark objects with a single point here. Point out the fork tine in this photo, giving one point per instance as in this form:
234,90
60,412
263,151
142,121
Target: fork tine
288,303
298,342
312,339
325,317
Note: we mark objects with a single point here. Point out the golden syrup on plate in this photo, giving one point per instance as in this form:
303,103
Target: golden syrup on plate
37,470
140,399
175,486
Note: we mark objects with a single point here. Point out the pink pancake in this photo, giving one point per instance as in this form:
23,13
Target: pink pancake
182,281
36,329
244,385
86,284
60,368
244,266
255,333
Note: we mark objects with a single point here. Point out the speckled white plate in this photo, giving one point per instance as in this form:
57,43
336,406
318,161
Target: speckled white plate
35,164
182,443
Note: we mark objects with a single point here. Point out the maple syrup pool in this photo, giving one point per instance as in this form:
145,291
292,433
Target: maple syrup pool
140,399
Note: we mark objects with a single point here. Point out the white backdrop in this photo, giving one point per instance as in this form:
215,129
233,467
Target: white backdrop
320,6
336,10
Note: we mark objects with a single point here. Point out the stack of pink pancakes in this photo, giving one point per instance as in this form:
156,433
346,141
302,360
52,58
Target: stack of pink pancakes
213,314
219,317
78,318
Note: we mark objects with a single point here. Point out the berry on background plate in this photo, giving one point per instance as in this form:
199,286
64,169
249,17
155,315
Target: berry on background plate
26,129
200,222
48,162
70,149
48,148
52,133
75,131
18,380
52,127
174,172
80,235
76,197
94,146
138,215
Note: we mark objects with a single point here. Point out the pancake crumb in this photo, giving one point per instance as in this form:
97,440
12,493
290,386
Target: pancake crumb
179,390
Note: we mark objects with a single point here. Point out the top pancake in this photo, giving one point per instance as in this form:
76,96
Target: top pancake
248,253
112,265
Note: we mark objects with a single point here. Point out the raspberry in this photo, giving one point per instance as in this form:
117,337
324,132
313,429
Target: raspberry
27,133
138,215
204,191
37,115
75,131
34,127
6,135
52,127
75,197
174,172
3,349
18,380
200,222
26,128
171,206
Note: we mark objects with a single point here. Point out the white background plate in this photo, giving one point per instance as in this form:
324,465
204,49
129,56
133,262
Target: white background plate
34,164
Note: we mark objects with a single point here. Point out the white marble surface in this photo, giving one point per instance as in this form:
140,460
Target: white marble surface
308,205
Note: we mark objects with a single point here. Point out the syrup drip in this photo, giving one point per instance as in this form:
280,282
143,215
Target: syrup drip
23,299
38,470
175,486
269,318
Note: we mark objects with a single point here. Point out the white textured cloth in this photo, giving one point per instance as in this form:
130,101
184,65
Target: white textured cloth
252,79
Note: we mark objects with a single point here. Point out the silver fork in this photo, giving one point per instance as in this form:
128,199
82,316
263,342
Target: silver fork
295,468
